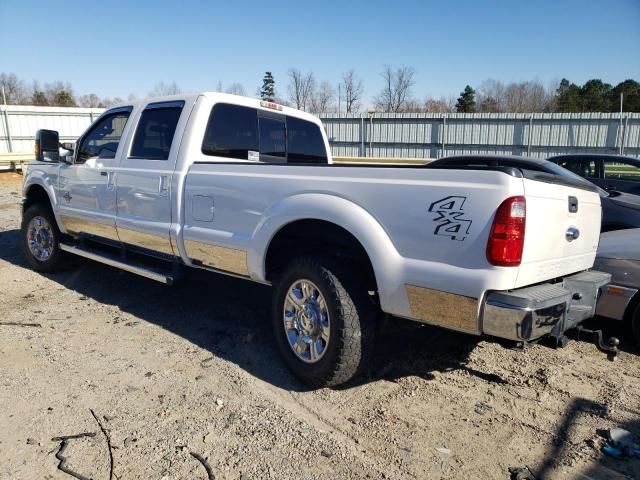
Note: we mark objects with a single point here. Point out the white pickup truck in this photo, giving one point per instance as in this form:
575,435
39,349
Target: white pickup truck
248,188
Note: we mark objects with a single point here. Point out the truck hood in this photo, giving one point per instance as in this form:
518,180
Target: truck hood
623,244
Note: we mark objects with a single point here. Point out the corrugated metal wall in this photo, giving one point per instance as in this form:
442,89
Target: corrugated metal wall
403,135
18,124
434,135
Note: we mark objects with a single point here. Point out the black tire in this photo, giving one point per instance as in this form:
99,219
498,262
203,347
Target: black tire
352,321
57,260
635,324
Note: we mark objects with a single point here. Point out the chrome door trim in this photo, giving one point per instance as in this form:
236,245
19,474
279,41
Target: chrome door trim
218,257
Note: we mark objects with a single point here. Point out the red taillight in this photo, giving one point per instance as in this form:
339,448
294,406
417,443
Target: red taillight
506,238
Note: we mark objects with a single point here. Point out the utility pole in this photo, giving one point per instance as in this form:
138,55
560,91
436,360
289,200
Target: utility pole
621,127
4,98
339,96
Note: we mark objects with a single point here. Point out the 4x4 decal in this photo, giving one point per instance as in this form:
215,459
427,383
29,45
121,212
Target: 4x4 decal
450,223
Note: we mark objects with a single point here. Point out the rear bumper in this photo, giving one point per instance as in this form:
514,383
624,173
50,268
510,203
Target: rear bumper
548,309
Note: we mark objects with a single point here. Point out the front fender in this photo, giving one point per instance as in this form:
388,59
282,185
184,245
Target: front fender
45,176
385,259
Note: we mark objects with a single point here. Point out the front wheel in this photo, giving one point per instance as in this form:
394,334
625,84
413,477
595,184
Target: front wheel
40,239
323,320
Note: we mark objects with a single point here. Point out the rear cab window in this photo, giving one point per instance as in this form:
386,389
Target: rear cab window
155,131
246,133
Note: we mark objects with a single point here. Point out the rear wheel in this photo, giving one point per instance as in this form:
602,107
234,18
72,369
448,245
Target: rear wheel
635,324
323,320
40,239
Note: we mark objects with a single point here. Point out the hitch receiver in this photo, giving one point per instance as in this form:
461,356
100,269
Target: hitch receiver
611,348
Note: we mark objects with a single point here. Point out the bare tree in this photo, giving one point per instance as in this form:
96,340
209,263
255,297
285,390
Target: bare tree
514,97
59,94
236,89
301,87
440,105
353,90
90,100
115,101
161,89
397,88
322,99
15,91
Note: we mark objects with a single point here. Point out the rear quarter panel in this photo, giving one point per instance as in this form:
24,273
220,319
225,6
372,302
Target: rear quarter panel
422,227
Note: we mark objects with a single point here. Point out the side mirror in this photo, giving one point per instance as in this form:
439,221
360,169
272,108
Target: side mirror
47,146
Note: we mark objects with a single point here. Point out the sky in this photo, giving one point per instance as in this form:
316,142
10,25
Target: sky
115,48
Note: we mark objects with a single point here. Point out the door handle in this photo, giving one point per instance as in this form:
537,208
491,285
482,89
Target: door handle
110,180
104,174
163,186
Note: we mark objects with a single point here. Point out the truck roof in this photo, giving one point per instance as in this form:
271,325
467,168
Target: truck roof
226,98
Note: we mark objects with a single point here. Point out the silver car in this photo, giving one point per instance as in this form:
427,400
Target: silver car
619,255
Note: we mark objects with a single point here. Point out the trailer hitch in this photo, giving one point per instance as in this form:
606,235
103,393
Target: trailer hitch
610,348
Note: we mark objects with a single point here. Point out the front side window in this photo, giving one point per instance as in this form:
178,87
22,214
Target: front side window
155,131
304,142
232,132
621,170
103,139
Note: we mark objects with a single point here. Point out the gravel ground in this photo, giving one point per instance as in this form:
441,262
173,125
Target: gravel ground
168,379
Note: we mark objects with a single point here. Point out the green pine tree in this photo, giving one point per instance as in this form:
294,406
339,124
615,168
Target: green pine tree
467,101
268,90
631,100
568,97
595,96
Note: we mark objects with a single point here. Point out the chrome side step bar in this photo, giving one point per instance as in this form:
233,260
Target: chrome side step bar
114,261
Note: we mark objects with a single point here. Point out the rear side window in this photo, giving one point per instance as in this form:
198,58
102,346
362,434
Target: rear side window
155,131
232,132
304,142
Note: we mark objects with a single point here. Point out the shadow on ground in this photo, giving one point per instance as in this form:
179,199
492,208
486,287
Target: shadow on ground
563,449
231,318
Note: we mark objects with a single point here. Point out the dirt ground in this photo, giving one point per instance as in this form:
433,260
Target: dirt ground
165,380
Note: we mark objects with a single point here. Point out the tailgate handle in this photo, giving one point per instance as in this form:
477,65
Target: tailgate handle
573,204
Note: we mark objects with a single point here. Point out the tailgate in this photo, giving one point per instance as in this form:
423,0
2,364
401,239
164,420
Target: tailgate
554,212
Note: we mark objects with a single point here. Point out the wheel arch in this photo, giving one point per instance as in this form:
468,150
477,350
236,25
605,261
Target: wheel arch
341,215
317,234
36,193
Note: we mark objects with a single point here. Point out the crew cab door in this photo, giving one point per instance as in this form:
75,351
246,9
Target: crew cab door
144,178
86,188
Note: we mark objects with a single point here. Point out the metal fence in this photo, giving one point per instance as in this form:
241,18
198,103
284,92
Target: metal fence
417,135
18,124
402,135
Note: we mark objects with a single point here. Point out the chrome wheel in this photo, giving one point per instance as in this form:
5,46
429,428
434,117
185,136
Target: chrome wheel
306,321
40,238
